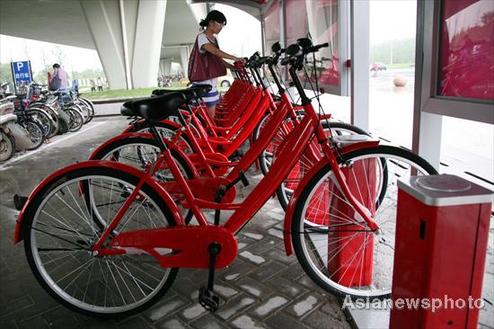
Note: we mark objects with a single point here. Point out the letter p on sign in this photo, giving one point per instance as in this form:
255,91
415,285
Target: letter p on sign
20,65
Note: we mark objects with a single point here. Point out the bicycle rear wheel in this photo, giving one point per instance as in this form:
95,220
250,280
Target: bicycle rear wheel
59,232
36,135
7,146
43,119
76,119
285,191
90,105
332,243
139,152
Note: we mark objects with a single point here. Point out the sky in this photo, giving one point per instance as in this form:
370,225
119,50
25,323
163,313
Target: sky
389,20
17,49
392,20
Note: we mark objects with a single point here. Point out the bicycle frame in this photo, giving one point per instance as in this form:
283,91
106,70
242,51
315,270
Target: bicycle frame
184,239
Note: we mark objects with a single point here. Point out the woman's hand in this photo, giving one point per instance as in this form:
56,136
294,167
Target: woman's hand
240,59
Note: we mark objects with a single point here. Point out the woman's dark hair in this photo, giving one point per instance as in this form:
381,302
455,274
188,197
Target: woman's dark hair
213,15
56,66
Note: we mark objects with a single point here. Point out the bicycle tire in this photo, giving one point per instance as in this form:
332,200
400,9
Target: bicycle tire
35,130
42,118
83,110
110,150
267,155
338,128
184,144
76,119
7,146
33,235
90,108
323,244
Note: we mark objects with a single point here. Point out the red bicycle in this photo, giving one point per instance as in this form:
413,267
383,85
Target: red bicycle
140,149
106,239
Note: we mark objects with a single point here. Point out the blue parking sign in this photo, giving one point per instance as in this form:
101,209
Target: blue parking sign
21,72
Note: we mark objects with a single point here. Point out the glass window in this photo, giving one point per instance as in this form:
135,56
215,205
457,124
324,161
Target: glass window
272,25
318,20
466,53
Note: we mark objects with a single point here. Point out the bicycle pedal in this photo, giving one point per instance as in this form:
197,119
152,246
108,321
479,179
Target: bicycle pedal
209,299
19,201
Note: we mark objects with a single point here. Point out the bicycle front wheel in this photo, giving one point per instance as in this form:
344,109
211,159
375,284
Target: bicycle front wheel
76,119
332,242
59,231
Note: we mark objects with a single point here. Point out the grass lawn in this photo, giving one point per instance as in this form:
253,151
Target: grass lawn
123,93
133,93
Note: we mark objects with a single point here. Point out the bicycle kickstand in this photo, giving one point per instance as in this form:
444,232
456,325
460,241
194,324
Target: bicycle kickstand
207,297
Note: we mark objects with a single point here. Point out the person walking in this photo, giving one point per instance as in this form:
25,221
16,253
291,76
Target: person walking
99,83
206,62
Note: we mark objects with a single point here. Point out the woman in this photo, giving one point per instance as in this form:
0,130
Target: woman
206,59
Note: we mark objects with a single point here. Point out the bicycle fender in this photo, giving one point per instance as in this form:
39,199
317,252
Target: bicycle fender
42,188
287,227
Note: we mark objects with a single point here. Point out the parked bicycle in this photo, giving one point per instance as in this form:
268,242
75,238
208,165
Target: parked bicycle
106,239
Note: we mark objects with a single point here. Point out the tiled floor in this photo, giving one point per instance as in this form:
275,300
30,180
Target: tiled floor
263,288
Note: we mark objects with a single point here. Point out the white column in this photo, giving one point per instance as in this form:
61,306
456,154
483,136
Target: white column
165,66
128,36
360,63
148,39
429,146
103,19
184,57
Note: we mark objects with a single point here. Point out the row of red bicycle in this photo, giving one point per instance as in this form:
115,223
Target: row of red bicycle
107,236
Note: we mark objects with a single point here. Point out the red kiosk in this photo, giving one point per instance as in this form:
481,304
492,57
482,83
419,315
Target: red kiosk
441,242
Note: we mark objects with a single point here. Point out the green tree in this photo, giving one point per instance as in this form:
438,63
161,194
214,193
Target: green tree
5,73
42,76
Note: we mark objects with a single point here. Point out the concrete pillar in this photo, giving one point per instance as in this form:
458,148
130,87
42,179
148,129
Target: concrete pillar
128,36
184,58
148,37
360,63
165,66
103,21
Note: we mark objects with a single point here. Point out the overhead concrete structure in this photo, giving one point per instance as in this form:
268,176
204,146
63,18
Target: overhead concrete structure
131,36
127,34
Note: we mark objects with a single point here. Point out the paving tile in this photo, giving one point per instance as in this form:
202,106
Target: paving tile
285,287
281,320
258,290
269,306
34,323
209,321
235,306
320,320
165,309
255,288
192,312
246,322
172,324
256,259
303,305
136,322
267,270
8,324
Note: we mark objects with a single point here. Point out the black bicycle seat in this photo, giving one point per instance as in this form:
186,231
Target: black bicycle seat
201,89
189,94
154,108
